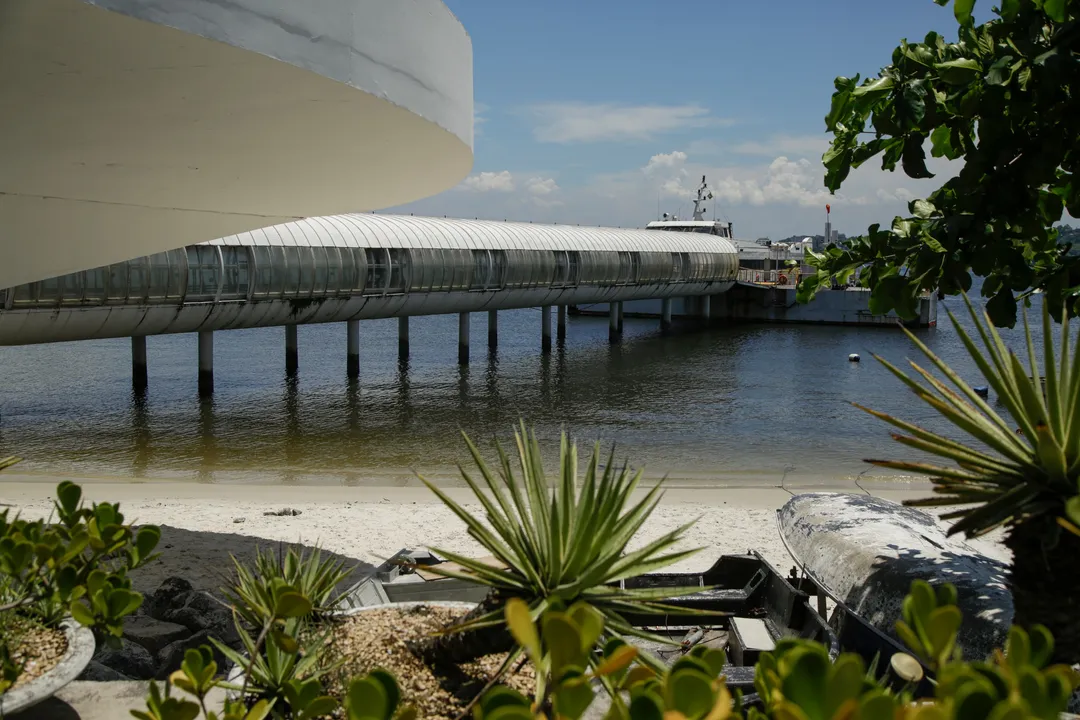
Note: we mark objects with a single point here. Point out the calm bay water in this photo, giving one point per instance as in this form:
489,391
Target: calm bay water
735,404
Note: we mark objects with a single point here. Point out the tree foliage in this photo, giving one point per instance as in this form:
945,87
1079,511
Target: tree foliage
1001,100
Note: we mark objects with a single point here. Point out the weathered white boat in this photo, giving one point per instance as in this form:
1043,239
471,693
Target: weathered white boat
864,552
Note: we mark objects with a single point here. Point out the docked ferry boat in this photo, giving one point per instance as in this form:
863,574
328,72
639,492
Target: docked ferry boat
767,278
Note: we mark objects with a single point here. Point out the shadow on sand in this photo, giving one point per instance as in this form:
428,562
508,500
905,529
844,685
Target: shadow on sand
205,559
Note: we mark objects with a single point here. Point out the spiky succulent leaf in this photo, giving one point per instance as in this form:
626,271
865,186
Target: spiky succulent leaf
1033,468
563,541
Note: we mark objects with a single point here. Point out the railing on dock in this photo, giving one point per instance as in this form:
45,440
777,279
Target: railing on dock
786,277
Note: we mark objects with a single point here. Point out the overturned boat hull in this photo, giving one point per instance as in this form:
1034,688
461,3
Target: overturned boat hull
865,552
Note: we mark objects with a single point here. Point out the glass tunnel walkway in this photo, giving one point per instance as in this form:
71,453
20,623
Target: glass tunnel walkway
349,268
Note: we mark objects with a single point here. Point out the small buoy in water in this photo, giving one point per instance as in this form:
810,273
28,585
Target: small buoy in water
982,391
853,357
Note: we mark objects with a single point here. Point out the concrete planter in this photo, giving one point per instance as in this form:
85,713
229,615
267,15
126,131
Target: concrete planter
79,652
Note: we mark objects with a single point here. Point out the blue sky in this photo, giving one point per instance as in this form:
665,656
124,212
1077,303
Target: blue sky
589,112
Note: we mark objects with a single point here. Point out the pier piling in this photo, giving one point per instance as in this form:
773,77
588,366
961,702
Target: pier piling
665,315
463,339
613,322
403,337
292,350
493,329
352,329
139,379
545,333
561,324
206,362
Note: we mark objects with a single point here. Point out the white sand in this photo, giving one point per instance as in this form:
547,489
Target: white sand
371,524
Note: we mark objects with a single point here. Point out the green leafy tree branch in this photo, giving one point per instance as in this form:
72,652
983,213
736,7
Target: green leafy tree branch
1001,100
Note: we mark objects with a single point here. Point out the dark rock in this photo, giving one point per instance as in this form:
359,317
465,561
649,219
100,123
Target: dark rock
153,634
203,612
96,672
170,657
131,659
172,594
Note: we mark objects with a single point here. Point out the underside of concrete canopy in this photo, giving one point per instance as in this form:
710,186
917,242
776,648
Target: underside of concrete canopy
129,127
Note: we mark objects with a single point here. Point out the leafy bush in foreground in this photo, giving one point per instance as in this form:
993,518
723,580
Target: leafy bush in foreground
76,566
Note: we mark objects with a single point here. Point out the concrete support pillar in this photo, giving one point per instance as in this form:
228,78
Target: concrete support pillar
493,329
706,308
545,332
613,322
206,362
665,315
463,339
403,337
352,362
292,350
139,379
561,325
620,317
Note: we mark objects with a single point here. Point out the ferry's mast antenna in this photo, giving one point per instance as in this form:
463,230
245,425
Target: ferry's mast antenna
703,194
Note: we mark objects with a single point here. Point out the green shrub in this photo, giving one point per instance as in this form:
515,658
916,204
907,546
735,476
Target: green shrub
76,566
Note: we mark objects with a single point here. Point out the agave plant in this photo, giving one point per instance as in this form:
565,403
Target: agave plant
1026,478
558,545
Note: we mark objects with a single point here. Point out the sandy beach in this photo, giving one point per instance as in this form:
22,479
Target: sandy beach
203,524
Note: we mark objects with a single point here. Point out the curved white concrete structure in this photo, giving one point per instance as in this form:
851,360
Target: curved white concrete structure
352,267
136,126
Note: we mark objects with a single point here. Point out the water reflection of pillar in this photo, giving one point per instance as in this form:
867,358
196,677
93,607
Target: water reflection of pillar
294,439
140,435
545,378
352,404
207,441
491,384
463,389
404,396
560,370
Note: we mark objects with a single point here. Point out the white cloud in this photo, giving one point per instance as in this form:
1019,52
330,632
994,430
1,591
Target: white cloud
902,194
796,145
570,122
777,197
489,182
665,160
479,118
541,186
544,192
